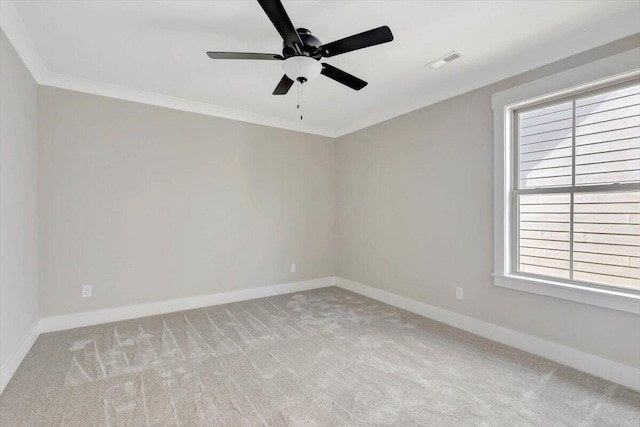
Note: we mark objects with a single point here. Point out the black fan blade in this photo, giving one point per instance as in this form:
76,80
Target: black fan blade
245,55
279,18
358,41
342,77
284,86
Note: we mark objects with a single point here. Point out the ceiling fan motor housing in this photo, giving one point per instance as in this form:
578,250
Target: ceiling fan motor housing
311,45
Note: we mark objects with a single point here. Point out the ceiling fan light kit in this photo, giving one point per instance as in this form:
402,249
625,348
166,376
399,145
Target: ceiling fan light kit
301,68
302,51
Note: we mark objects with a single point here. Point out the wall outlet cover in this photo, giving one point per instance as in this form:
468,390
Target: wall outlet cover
86,291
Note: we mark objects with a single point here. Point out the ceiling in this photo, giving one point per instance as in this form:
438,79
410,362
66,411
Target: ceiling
154,51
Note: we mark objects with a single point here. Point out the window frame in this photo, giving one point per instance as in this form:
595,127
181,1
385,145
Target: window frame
602,75
570,189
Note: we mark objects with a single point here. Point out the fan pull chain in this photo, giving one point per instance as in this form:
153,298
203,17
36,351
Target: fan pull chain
300,99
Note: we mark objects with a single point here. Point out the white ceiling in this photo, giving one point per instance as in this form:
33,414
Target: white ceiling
158,47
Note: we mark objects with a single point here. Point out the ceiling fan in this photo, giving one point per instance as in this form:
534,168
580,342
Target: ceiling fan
302,52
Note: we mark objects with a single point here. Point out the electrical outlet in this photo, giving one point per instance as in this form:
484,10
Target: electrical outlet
86,291
459,293
293,268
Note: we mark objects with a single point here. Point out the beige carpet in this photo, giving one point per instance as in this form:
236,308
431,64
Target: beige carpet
323,357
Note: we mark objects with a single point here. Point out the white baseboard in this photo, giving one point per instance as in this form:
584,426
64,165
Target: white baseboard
10,366
626,375
88,318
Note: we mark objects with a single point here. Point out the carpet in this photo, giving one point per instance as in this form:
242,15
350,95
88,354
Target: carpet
317,358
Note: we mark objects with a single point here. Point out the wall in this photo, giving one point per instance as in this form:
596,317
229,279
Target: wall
148,204
18,201
415,217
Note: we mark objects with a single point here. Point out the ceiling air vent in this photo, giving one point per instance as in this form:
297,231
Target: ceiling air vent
444,60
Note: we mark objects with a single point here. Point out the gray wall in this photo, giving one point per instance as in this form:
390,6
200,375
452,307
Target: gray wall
148,204
415,217
18,200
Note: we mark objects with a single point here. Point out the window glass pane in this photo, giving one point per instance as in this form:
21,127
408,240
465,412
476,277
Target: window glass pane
544,141
604,246
607,238
543,246
608,137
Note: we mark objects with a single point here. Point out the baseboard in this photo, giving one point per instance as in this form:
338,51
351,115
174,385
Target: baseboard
10,366
88,318
626,375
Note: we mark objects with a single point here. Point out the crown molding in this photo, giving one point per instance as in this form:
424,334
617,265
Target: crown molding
151,98
17,33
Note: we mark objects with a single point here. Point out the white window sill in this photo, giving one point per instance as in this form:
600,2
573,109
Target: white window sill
617,300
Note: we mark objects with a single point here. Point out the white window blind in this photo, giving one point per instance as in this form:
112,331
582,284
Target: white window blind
577,188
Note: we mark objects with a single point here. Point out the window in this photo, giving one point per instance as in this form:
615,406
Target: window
567,184
577,188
